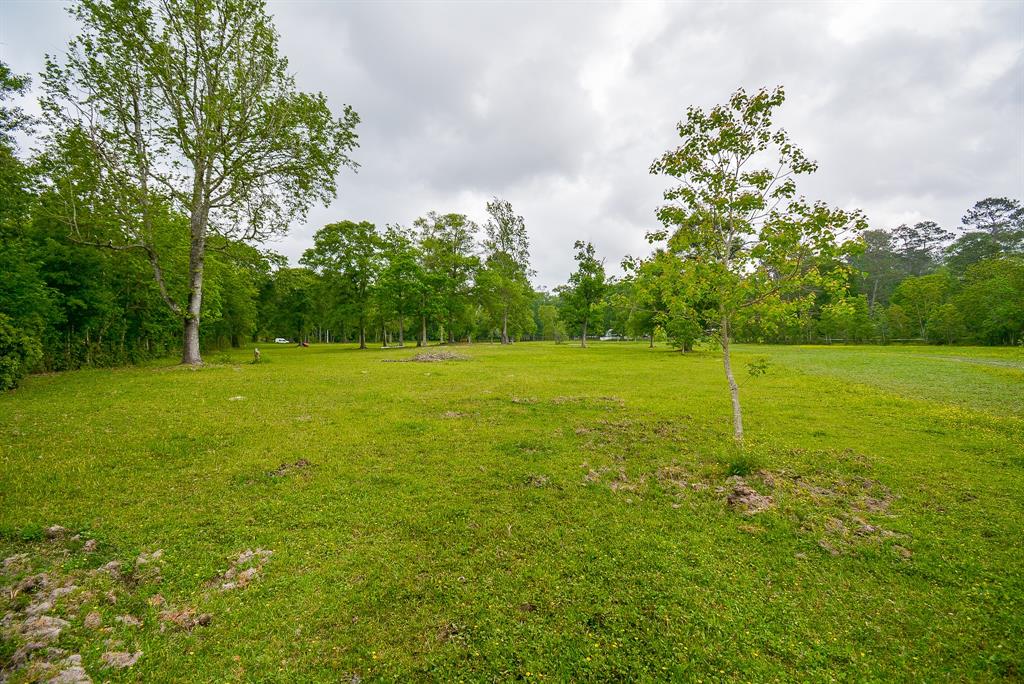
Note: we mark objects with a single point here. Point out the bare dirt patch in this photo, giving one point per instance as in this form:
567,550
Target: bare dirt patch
673,476
450,631
39,607
605,403
535,480
744,498
286,469
430,357
119,660
840,511
592,475
616,479
42,601
621,483
245,568
184,618
626,438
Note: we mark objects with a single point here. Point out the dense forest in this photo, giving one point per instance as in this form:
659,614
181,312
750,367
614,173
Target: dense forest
71,297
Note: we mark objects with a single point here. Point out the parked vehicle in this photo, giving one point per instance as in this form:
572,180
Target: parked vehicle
282,340
611,335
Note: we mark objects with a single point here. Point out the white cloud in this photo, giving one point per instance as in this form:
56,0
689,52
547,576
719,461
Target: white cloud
913,110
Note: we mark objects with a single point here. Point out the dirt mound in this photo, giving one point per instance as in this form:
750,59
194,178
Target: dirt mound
430,357
185,618
245,568
120,659
42,598
536,480
286,469
745,498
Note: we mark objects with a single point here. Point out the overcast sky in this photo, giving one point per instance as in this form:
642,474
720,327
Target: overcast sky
913,110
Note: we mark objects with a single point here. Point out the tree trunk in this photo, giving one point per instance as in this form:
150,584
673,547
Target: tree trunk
422,342
504,326
362,333
734,390
401,331
190,353
652,341
583,338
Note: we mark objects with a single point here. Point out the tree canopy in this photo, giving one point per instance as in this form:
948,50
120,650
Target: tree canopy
187,109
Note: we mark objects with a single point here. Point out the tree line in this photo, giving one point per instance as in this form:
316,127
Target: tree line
443,278
912,283
447,279
173,142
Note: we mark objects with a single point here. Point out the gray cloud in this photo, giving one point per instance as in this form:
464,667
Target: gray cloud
913,110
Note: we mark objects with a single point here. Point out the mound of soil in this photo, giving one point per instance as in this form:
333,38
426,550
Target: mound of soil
430,357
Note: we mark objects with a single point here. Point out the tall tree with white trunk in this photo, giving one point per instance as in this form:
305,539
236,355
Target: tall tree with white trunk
188,105
506,261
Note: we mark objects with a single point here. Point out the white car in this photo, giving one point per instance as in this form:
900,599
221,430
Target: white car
281,340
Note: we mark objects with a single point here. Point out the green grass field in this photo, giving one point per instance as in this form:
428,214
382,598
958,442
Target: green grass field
536,512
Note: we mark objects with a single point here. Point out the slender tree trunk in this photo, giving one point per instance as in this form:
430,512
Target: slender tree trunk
504,326
196,258
734,390
401,331
422,342
652,340
583,338
362,333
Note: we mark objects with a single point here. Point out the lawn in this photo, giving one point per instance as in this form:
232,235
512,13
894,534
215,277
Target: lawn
533,512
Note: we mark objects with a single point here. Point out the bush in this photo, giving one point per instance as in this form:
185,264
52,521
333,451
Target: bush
19,353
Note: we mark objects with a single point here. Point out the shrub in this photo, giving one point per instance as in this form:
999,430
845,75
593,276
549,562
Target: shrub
20,351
